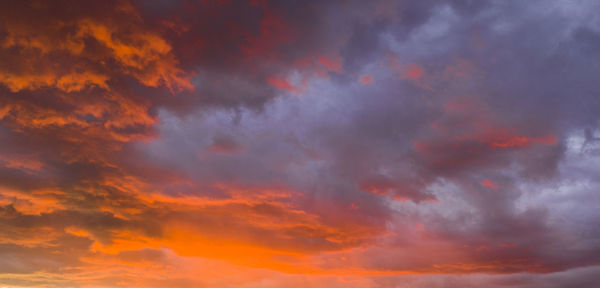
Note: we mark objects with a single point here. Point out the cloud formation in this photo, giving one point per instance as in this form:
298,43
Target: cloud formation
299,144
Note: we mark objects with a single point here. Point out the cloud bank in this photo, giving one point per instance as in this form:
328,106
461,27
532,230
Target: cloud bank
299,143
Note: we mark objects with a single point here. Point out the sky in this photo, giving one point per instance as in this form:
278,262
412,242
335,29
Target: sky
262,143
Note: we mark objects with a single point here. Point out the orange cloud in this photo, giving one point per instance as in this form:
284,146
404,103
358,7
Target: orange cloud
67,83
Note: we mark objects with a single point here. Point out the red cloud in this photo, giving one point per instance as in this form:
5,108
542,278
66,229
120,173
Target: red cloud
334,64
507,141
281,83
489,184
366,79
413,71
469,133
274,34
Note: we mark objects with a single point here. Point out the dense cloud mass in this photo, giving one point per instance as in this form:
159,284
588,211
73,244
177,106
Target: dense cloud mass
260,143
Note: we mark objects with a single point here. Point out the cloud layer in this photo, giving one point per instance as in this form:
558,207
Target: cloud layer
299,144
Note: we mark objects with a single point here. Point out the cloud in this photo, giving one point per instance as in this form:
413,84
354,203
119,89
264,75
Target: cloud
153,143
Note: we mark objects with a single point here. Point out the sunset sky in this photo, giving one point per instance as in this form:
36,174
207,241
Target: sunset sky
297,143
